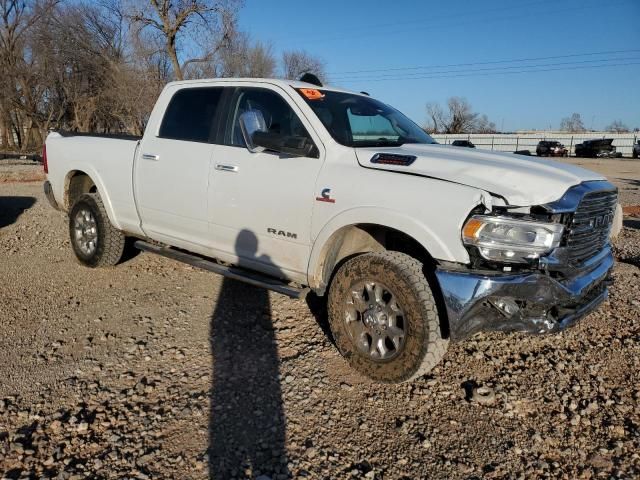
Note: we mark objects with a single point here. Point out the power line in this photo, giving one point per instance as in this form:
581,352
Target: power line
498,69
496,73
490,62
371,31
467,13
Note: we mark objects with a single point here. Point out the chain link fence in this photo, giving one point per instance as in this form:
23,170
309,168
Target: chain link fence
510,142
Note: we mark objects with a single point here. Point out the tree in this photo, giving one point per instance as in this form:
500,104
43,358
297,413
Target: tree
18,83
240,57
296,63
459,118
206,24
436,117
484,125
99,66
618,127
572,124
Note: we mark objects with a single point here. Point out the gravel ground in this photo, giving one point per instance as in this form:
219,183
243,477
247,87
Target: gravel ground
154,369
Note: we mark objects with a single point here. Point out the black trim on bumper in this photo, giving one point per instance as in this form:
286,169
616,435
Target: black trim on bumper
537,303
48,191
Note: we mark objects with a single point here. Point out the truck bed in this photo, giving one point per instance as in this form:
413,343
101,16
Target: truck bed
108,159
118,136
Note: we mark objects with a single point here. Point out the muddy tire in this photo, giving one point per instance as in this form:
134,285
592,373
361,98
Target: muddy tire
384,319
95,242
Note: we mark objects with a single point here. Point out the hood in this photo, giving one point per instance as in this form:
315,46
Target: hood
521,180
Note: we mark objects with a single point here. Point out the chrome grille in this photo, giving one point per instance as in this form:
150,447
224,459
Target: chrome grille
589,230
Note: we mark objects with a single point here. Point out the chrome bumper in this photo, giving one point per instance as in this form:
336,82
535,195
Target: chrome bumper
48,191
536,303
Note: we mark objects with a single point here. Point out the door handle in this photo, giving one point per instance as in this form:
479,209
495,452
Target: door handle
150,156
226,168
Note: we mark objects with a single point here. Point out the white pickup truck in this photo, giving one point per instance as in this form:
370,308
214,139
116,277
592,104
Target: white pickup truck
294,187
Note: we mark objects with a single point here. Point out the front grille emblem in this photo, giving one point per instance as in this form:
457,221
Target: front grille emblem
601,221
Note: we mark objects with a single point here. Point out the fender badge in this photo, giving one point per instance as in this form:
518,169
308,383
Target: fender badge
325,196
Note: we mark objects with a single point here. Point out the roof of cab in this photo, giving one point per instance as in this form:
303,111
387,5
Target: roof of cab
273,81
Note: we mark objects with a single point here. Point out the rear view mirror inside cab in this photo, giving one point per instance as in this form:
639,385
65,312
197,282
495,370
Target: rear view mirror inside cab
360,110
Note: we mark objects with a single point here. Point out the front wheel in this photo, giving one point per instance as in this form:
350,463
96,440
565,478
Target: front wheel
95,242
384,318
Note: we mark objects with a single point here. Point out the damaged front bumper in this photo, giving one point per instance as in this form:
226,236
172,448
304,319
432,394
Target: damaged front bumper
529,302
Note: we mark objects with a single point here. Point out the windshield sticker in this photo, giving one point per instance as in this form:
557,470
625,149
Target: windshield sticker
312,93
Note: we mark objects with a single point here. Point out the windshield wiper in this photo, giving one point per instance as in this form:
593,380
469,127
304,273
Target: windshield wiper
381,142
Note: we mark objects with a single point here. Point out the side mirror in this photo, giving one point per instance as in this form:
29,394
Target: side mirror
252,121
258,139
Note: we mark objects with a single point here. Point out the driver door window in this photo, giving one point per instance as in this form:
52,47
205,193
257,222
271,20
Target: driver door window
278,116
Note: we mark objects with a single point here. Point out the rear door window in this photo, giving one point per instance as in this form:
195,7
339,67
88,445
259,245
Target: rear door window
191,115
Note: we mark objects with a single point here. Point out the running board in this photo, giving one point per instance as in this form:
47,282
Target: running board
255,279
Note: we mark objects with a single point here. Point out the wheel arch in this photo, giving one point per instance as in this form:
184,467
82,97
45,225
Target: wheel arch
369,230
82,180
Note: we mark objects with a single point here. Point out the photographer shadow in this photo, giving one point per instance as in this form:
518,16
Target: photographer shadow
246,422
12,207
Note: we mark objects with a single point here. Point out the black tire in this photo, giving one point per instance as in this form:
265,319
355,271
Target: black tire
422,345
107,248
634,154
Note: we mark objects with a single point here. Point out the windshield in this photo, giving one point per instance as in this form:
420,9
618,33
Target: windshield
360,121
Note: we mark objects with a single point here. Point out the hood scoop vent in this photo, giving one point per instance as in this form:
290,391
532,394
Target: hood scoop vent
393,159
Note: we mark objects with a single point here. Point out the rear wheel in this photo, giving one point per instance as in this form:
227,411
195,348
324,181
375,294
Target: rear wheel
95,242
384,317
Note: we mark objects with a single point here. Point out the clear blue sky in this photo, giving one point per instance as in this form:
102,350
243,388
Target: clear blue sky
356,35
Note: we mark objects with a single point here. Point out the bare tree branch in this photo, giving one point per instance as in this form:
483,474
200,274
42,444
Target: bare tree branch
617,126
572,124
174,19
459,118
296,63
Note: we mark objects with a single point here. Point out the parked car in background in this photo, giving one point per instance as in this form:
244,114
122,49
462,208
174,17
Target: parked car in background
547,148
601,147
636,150
463,143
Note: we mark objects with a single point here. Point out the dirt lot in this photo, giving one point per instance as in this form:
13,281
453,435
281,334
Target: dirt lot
157,370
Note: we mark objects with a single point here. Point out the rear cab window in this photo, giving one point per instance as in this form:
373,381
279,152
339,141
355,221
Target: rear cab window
191,115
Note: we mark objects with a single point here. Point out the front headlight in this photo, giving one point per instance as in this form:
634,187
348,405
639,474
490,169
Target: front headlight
504,239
